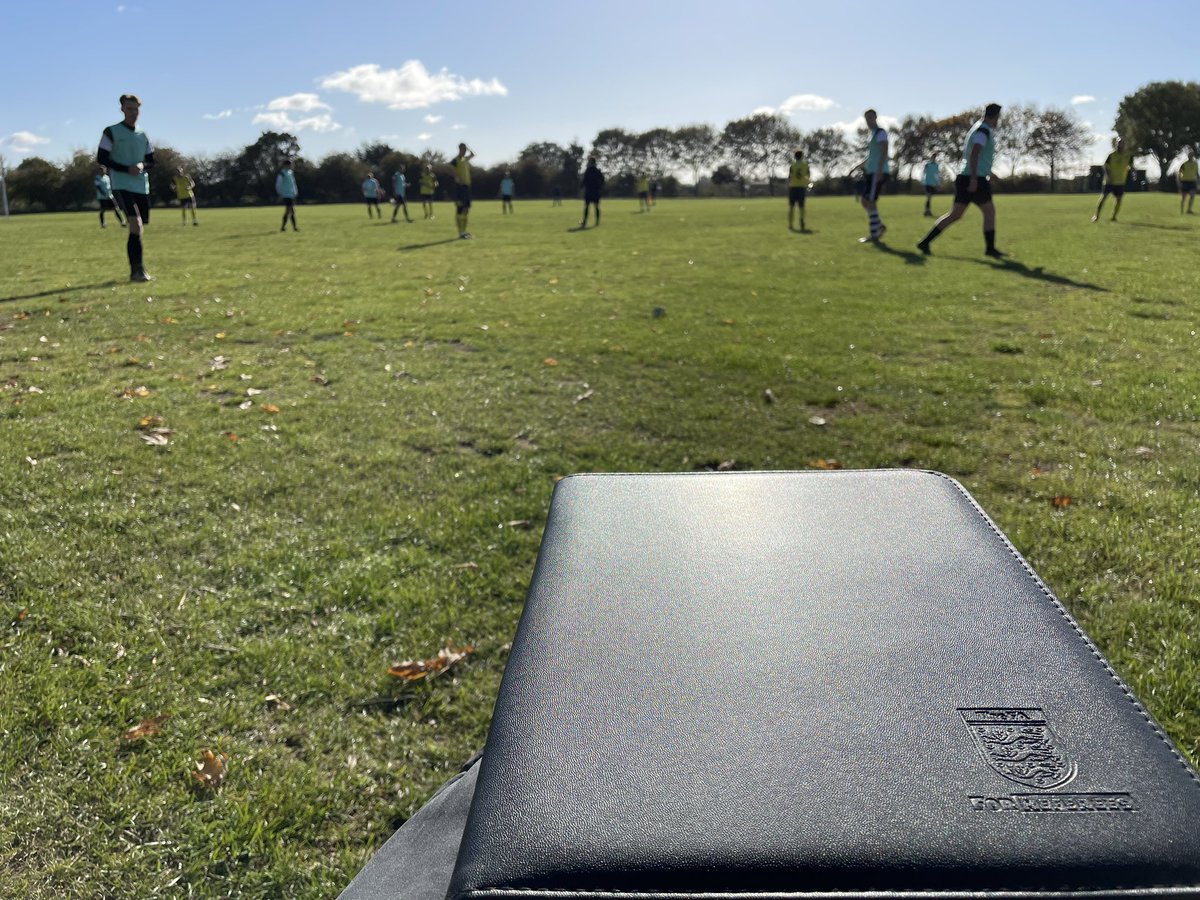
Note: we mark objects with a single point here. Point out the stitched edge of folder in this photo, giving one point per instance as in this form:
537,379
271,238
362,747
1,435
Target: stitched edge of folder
1080,633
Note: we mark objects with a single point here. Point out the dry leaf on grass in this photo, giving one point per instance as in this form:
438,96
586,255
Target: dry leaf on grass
270,408
158,437
415,670
211,769
824,464
816,420
1060,501
145,728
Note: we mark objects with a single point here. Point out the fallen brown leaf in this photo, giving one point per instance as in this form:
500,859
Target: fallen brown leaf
211,769
824,464
1060,500
415,670
145,728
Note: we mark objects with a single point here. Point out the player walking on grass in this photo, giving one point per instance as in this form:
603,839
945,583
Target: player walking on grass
285,187
797,187
428,184
973,185
875,173
370,192
462,189
643,192
127,153
506,192
104,196
931,179
1116,170
593,184
185,193
1187,182
400,189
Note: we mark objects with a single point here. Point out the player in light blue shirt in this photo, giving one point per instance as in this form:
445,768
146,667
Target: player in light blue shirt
506,192
400,188
973,184
127,154
285,187
875,174
931,180
370,192
104,196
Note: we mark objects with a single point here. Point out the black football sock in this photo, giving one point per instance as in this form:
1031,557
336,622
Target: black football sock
933,233
990,238
133,247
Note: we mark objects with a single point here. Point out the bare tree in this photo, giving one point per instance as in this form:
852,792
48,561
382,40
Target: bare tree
1012,135
1057,137
826,149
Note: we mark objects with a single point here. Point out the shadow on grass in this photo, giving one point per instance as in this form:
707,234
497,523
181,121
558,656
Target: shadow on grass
1155,225
579,228
910,258
452,240
63,290
1038,273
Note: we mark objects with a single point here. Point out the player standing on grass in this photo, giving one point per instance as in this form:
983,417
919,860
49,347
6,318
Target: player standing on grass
185,193
428,184
931,180
797,186
973,185
104,195
285,187
400,188
643,192
1116,170
593,184
462,188
875,173
1187,181
506,192
370,192
126,152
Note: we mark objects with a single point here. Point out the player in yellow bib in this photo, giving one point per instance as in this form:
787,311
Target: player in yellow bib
643,192
185,193
462,188
797,188
1187,182
428,184
1116,171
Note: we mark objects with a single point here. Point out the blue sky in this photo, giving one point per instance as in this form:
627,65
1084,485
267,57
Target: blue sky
212,76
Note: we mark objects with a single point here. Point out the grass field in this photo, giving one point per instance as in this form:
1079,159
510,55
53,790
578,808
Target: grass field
363,423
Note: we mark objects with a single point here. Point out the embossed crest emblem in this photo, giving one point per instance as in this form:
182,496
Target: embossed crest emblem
1020,745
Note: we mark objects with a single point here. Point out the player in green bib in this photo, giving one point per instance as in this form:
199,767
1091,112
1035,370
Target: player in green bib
127,153
875,175
1116,170
1187,182
973,184
797,187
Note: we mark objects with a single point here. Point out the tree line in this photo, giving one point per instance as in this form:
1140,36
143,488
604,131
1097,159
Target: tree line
1159,120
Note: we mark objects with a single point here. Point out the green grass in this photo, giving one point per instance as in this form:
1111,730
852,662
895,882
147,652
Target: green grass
429,392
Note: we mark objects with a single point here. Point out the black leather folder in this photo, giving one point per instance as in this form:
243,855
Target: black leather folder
844,684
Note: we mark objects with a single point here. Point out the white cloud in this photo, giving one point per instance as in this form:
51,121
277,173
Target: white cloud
805,103
23,141
890,123
409,87
1082,98
281,121
298,103
457,127
424,136
763,110
223,114
433,120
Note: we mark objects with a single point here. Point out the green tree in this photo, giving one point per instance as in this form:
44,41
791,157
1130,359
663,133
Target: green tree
1057,137
335,179
696,148
758,144
258,164
614,151
656,151
825,149
35,183
947,137
1160,119
78,187
373,154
